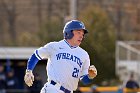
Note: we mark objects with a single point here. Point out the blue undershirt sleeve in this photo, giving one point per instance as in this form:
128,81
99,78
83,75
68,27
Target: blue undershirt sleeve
86,80
32,61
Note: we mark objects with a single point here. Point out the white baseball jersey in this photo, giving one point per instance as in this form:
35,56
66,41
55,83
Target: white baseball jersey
66,64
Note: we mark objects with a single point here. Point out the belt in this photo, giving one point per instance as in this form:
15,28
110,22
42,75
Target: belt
61,87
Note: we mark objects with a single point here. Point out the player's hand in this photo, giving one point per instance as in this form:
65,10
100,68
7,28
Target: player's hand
92,72
29,78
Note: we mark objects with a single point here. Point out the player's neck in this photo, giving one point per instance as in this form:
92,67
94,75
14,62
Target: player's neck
71,43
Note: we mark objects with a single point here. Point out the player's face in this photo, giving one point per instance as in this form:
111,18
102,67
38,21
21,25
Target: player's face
77,38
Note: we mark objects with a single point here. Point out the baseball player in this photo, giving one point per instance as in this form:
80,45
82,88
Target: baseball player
67,62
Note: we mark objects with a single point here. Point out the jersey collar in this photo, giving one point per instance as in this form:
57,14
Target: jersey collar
69,44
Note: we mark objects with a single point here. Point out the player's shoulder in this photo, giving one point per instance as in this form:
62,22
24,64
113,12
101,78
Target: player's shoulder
54,43
83,51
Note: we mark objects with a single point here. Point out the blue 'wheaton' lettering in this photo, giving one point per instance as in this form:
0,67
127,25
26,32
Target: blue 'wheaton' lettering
69,57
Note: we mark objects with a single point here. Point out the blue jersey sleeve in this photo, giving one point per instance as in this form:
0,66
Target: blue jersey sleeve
86,80
32,61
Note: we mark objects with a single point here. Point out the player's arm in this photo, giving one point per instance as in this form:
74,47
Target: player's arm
33,60
29,77
39,54
88,72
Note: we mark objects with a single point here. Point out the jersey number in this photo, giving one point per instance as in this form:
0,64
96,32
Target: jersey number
75,73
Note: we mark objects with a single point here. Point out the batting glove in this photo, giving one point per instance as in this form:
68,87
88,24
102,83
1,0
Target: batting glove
92,72
29,78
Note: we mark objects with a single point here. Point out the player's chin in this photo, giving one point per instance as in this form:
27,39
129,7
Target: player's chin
79,42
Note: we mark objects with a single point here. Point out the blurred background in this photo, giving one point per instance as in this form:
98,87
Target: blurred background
113,42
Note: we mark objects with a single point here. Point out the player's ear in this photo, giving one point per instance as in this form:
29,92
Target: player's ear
84,36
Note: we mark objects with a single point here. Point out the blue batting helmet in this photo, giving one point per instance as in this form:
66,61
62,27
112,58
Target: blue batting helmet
73,25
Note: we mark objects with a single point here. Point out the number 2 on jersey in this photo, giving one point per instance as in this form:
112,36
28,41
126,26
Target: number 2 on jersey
75,73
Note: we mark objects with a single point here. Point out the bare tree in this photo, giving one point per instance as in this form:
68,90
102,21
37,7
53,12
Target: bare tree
10,10
119,18
39,12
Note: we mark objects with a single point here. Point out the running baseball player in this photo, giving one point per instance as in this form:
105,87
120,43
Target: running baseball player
67,62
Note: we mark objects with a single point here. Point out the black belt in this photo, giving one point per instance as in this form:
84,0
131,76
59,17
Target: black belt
61,87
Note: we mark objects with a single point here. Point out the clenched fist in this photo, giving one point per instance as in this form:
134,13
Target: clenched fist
92,72
29,78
